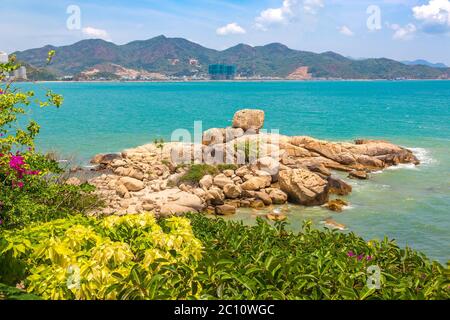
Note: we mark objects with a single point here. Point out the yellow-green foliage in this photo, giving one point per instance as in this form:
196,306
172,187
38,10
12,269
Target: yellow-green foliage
82,258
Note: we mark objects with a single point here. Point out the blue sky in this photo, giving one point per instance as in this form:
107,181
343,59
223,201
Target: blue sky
403,29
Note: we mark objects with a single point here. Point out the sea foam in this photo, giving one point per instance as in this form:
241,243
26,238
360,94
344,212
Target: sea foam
423,155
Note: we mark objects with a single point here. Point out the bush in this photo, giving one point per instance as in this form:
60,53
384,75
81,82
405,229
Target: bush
223,167
30,184
83,258
134,257
11,293
265,262
197,171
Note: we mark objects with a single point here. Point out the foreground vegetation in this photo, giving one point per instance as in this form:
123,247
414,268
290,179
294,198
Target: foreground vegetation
138,257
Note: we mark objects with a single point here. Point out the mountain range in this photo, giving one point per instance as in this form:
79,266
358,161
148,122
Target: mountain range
178,57
421,62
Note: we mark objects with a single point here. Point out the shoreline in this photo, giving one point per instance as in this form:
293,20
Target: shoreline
238,81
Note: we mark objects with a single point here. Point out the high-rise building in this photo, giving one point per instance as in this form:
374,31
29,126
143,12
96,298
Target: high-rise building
3,57
222,72
20,74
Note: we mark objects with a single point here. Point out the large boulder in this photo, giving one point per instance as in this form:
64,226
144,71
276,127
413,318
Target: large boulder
215,196
129,172
339,187
222,180
255,183
105,159
221,135
278,196
206,182
264,197
249,119
232,191
173,209
132,184
175,197
269,165
304,187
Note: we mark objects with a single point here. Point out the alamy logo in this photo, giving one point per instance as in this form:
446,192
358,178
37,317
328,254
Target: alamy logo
374,278
74,20
374,20
73,281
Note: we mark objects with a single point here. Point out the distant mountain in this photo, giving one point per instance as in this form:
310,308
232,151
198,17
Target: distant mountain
177,57
421,62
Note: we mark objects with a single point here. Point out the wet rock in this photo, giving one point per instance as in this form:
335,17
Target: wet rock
361,175
336,205
257,204
225,210
339,187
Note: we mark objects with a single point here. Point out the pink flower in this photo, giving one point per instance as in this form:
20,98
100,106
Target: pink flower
351,254
369,258
16,162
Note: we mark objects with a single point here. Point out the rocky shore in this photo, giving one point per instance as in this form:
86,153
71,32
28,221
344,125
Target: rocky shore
241,166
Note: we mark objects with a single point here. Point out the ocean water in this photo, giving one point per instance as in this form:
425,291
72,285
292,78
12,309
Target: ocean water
406,203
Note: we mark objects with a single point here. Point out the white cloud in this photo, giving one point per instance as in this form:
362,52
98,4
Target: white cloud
435,15
403,33
231,28
95,33
312,6
346,31
289,10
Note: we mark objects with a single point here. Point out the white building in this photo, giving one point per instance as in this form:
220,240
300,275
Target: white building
20,74
3,57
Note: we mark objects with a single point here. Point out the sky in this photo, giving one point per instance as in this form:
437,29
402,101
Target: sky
396,29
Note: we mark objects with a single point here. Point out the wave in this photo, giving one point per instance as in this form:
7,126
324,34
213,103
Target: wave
409,166
423,155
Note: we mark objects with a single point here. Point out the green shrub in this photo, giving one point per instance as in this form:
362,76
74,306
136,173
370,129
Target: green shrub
223,167
11,293
197,171
30,183
83,258
264,262
135,257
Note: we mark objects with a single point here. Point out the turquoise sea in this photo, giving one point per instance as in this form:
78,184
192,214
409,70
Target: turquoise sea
406,203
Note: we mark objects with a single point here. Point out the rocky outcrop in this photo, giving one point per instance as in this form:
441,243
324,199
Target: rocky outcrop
268,169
